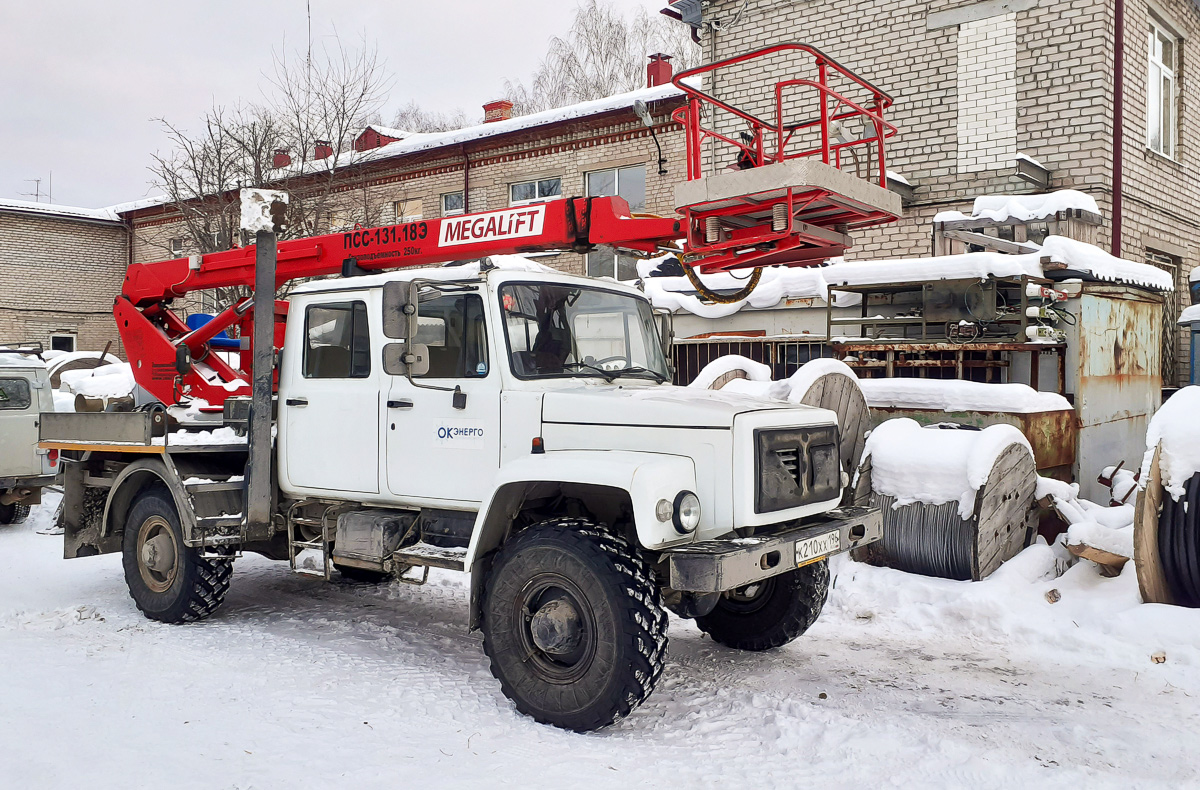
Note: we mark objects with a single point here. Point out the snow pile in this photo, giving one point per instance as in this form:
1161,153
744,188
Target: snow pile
108,381
780,283
1002,208
256,208
1190,313
1089,524
1083,257
215,436
755,371
758,381
954,395
1176,428
934,465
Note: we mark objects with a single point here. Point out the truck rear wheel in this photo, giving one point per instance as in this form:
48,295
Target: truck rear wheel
169,581
573,624
770,613
13,514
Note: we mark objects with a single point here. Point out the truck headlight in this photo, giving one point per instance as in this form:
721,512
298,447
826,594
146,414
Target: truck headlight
687,512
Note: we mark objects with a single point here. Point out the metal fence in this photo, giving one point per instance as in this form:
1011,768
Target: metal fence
783,355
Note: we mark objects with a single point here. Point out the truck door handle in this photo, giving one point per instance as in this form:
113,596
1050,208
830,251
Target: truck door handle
400,404
296,401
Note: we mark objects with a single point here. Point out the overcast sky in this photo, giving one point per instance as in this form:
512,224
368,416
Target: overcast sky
81,81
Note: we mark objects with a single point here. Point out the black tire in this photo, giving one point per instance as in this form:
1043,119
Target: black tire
13,514
192,587
362,575
609,657
770,613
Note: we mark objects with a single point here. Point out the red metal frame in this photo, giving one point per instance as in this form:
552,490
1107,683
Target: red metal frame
153,334
769,144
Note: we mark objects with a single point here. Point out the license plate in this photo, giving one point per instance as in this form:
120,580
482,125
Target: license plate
812,549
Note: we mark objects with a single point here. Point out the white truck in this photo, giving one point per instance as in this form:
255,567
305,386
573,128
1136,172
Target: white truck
515,425
25,468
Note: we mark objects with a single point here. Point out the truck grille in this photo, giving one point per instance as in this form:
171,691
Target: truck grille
796,466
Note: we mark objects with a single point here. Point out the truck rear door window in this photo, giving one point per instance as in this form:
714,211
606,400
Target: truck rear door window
337,341
14,394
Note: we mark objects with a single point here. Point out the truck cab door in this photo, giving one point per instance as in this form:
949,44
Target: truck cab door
329,409
436,451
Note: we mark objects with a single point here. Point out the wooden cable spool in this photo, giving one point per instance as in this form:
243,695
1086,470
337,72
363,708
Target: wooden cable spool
1147,561
934,540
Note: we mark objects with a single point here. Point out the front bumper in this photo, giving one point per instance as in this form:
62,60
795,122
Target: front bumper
727,563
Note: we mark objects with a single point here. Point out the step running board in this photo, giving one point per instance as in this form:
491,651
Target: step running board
451,559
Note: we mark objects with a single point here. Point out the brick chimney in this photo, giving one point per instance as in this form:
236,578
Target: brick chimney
323,149
658,70
498,110
282,158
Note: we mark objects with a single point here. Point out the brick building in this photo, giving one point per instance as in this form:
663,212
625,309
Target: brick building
59,270
979,83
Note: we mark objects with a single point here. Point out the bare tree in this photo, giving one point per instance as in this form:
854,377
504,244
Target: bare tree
603,53
413,118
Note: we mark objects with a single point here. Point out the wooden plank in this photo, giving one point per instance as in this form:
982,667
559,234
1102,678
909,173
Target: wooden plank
1146,560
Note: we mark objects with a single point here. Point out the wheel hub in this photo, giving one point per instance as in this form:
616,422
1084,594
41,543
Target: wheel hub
158,554
556,627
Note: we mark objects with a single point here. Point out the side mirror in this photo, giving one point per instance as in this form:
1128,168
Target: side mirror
399,310
404,359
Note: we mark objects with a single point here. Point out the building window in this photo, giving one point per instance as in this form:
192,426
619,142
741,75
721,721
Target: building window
176,246
626,182
606,262
527,192
62,342
629,183
452,204
1160,94
407,210
1172,307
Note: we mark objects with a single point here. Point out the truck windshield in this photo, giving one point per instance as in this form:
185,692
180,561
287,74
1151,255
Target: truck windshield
559,330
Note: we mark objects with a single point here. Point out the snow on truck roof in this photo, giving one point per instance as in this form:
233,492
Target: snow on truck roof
780,283
466,271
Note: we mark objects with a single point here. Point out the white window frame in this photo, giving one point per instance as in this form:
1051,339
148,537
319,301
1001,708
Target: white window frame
1162,74
616,171
451,212
68,335
176,246
537,198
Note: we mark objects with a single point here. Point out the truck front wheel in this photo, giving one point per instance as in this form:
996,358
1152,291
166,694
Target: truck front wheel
169,581
770,613
573,624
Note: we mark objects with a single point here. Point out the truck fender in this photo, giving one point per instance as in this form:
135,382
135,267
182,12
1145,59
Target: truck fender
640,478
132,480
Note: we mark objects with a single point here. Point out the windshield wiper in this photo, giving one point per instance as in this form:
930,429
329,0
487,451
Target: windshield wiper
608,375
659,377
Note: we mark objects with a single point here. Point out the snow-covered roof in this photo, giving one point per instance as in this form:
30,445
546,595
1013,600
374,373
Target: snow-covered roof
134,205
779,283
55,210
389,131
1023,208
415,142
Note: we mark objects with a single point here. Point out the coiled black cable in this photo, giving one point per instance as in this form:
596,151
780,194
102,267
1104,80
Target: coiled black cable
1179,544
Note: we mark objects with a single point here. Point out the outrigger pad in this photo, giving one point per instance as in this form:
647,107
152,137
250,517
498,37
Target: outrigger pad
770,182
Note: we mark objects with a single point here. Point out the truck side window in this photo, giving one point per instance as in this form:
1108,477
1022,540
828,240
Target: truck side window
453,328
14,394
337,341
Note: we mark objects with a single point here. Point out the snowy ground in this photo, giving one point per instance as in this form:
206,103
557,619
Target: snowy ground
904,681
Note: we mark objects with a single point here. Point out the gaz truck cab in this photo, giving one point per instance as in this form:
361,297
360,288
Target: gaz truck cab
25,469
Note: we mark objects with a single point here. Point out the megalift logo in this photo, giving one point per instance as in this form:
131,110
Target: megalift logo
513,223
